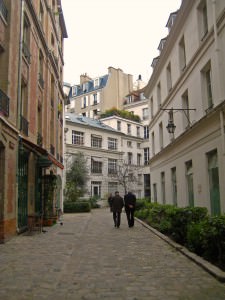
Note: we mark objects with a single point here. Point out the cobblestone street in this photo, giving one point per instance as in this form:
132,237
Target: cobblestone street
87,258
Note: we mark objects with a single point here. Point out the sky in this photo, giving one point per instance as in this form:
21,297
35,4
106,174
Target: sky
122,34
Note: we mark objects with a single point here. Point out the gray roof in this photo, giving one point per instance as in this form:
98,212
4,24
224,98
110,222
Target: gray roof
89,86
78,119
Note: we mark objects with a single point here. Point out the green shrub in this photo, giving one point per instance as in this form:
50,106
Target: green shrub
93,202
182,217
72,207
194,237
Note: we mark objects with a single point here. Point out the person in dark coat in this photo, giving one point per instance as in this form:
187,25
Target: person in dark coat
130,203
117,205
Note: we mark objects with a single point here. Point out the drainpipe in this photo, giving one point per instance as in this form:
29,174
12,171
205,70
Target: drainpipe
19,107
217,56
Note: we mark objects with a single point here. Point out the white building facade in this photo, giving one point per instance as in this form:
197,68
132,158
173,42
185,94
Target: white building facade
186,89
105,148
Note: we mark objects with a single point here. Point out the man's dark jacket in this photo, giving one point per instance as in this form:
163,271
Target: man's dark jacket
130,199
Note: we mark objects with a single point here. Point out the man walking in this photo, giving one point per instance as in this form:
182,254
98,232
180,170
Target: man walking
117,205
130,203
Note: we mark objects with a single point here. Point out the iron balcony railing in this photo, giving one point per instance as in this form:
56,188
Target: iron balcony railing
39,139
24,125
41,80
3,10
4,104
26,52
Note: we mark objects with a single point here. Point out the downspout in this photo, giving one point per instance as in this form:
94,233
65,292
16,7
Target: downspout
217,53
19,107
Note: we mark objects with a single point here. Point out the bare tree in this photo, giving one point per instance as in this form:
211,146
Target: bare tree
125,175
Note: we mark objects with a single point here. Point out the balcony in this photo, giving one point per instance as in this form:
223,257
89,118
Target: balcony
39,139
24,125
3,10
52,149
26,52
4,104
41,80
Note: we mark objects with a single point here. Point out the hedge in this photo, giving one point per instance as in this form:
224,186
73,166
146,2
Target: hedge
73,207
189,226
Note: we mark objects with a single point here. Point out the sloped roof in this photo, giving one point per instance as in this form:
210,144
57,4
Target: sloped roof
70,117
89,86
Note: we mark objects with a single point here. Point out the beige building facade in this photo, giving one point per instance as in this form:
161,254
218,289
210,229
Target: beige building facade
31,109
95,95
186,93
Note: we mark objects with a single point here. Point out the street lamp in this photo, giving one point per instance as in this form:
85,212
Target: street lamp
171,126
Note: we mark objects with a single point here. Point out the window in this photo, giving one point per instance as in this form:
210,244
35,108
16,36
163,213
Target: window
169,78
130,158
118,125
189,181
138,145
138,131
153,143
128,129
112,166
214,182
155,192
145,113
95,99
40,68
112,187
74,90
146,156
182,54
112,143
207,86
85,87
174,185
26,38
138,159
77,137
96,141
96,82
41,15
202,19
96,166
186,112
84,102
146,132
163,188
129,144
151,107
139,179
159,95
161,135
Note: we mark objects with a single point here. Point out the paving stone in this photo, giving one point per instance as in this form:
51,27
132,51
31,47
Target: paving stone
87,258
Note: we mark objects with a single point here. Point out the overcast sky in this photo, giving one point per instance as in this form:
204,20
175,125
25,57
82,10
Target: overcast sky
123,34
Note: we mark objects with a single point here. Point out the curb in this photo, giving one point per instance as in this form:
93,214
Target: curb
211,269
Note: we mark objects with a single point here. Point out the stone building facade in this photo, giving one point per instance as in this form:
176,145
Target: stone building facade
187,93
31,109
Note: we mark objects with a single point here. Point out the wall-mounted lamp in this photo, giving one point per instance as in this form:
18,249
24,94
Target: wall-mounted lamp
171,126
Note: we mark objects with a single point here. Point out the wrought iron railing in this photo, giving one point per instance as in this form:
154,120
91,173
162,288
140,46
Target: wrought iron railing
24,125
39,139
26,52
3,10
41,80
4,104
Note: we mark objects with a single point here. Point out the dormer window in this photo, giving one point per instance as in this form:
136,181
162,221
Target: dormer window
74,90
96,82
162,44
154,62
85,87
171,20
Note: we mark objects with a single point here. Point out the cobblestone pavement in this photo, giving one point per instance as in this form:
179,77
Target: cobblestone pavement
87,258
